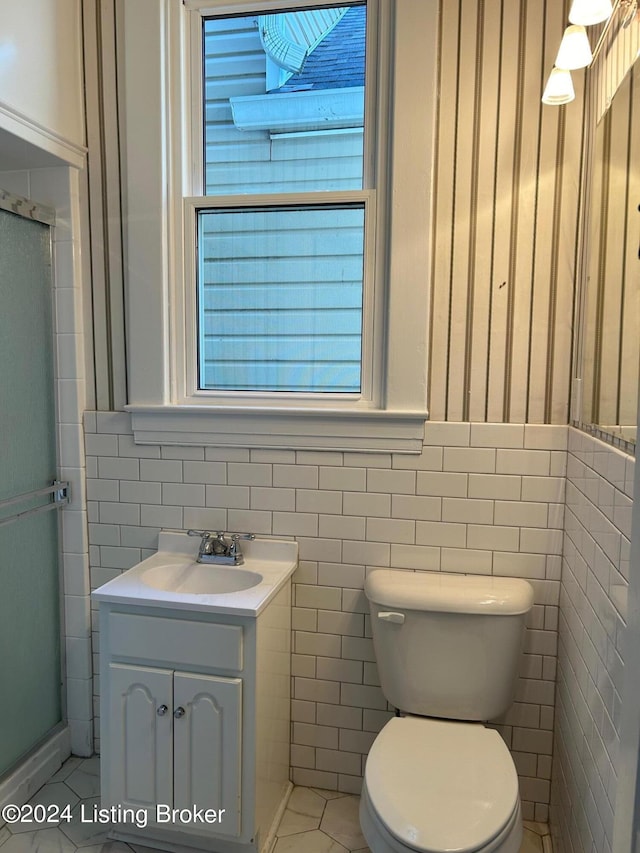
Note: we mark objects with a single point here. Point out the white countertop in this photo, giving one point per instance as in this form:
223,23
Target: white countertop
274,559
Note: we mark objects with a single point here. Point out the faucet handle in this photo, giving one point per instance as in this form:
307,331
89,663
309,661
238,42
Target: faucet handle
219,544
233,548
220,534
201,533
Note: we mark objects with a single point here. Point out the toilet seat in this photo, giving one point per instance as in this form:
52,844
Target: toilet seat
380,840
437,785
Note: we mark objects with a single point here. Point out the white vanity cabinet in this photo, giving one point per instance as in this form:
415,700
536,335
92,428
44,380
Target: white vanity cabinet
176,739
195,715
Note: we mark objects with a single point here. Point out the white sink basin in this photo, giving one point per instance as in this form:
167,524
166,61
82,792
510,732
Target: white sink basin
172,578
199,578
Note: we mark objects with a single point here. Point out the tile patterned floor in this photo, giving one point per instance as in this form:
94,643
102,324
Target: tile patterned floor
315,821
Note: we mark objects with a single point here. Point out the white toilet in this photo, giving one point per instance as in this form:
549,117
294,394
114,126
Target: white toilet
448,648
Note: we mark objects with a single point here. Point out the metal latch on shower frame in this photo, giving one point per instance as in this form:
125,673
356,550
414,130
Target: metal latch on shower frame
62,492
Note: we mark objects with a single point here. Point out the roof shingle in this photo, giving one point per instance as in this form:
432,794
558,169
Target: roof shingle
338,62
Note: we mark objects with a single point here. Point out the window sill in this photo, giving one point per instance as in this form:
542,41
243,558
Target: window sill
225,426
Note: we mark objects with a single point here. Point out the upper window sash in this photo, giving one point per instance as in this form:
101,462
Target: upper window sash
373,122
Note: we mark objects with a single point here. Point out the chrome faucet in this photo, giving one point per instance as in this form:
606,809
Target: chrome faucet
216,548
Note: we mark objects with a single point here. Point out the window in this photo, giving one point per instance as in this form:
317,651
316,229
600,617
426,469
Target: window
286,304
280,295
281,285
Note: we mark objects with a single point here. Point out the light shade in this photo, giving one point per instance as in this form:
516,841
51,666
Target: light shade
559,88
575,50
589,12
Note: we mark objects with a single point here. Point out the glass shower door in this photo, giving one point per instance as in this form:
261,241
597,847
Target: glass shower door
30,650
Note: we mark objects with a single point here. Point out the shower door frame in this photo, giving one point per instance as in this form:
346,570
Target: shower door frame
60,494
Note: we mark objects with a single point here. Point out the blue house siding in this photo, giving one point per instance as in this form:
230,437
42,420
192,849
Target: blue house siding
313,161
281,306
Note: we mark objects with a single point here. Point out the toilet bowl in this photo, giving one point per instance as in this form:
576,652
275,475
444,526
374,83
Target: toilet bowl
432,786
437,778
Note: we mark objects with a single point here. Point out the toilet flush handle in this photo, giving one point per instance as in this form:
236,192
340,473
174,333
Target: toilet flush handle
391,616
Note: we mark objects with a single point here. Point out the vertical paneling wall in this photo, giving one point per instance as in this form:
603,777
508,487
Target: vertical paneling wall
620,47
609,328
505,223
505,218
610,372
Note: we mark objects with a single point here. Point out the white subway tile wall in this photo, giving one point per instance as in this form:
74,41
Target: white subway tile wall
481,498
590,659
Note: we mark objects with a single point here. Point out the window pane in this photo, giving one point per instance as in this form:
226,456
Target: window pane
284,101
280,298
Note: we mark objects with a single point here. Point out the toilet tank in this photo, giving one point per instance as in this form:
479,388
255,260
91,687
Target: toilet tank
448,645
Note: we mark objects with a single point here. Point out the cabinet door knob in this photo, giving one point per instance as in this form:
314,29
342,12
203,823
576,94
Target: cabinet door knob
179,712
162,710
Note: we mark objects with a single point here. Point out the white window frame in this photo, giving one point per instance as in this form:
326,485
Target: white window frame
158,65
370,362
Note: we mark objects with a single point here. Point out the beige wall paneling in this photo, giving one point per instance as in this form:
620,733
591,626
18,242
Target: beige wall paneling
505,196
612,262
563,263
520,284
506,169
631,301
550,133
486,120
506,202
545,226
467,109
104,199
593,203
565,169
443,213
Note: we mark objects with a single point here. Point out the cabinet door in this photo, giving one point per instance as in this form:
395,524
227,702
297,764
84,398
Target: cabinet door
140,743
208,748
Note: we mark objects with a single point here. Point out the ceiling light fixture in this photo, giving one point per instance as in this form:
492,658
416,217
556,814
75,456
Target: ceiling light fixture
559,89
575,50
589,12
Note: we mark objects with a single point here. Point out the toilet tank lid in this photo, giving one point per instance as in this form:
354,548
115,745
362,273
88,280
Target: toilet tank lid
437,591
